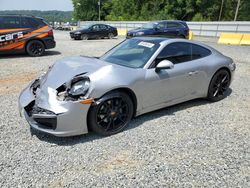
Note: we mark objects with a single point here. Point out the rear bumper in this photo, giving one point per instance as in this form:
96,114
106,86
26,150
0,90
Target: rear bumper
67,118
49,42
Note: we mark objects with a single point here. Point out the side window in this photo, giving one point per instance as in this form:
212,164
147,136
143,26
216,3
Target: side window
160,26
1,23
41,22
25,23
11,22
174,25
199,52
178,52
33,23
103,27
95,27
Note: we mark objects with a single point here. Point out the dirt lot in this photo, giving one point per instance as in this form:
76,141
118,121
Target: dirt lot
194,144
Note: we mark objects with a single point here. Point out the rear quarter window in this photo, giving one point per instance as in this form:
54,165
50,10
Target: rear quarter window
174,25
35,22
199,52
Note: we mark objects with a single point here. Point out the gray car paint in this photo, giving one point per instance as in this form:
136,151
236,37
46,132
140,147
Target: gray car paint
153,90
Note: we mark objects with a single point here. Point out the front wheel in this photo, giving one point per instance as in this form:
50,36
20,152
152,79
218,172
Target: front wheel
35,48
84,37
111,114
219,85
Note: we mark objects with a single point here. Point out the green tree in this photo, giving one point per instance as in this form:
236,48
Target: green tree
198,10
85,9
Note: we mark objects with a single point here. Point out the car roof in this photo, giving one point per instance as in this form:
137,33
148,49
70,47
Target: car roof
151,39
160,21
20,15
165,41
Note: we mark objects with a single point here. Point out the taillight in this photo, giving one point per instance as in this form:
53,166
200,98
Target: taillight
50,33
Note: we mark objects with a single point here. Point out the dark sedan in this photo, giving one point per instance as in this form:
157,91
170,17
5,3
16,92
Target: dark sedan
94,31
165,28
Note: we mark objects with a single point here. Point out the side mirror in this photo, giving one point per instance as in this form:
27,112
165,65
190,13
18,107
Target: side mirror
164,64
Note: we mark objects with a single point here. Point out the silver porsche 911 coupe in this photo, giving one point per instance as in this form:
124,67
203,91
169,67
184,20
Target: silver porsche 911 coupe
78,94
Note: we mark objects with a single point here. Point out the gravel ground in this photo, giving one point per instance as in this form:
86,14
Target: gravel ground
194,144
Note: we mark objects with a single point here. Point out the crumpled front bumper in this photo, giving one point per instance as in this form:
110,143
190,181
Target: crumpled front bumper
59,118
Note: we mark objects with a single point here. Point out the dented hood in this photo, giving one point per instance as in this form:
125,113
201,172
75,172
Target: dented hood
64,70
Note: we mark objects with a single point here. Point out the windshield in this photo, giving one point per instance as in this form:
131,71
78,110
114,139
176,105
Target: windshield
133,53
149,26
86,26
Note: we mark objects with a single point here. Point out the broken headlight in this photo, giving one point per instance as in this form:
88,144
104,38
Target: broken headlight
79,87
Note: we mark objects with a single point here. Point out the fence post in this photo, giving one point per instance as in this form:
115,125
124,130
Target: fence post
216,34
200,29
237,26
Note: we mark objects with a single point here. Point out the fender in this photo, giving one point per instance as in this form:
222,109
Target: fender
106,97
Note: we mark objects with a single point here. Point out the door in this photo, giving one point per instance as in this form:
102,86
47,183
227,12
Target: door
176,84
104,32
94,31
159,29
10,31
173,29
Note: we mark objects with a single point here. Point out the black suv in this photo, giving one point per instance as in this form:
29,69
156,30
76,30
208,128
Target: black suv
166,28
20,33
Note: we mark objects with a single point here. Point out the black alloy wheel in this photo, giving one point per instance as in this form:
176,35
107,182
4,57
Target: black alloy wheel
35,48
112,115
219,85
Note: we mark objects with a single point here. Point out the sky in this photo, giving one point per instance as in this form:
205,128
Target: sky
65,5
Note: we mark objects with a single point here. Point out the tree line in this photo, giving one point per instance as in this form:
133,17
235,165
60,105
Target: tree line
49,16
189,10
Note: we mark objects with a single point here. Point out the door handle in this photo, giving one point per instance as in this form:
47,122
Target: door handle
193,73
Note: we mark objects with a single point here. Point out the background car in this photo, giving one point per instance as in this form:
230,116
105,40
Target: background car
20,33
78,94
170,29
94,31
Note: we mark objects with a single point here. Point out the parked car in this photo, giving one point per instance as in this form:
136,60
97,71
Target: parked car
79,94
20,33
170,29
94,31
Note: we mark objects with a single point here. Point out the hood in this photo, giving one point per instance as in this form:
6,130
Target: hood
103,76
64,70
97,70
79,30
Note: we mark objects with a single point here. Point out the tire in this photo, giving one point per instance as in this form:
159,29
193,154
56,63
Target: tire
35,48
111,35
219,85
111,114
84,37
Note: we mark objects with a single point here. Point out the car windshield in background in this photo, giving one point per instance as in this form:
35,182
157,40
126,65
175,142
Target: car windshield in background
149,26
131,53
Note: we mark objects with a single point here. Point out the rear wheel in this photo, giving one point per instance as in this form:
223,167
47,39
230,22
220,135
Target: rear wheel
111,115
219,85
35,48
111,36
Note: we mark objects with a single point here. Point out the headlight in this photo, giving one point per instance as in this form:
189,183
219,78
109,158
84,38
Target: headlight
79,87
140,33
78,32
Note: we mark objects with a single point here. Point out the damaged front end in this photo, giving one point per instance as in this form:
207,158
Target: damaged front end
62,110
